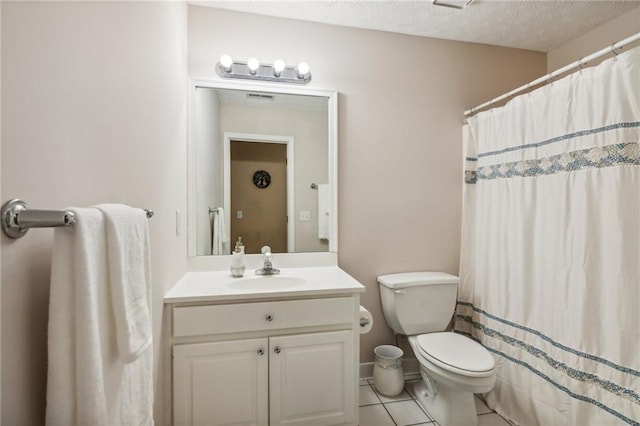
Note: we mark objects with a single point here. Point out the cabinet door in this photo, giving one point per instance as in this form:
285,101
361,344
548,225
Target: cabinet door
311,379
221,383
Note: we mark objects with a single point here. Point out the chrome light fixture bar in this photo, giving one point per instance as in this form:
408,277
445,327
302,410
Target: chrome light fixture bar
254,70
453,4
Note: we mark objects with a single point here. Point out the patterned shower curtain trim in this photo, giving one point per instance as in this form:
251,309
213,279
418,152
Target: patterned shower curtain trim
471,325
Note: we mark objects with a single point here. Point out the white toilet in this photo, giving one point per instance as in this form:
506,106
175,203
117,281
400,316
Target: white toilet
453,367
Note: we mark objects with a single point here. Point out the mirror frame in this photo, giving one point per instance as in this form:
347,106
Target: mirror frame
332,99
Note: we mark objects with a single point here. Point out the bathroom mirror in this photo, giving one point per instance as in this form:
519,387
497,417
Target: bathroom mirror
262,166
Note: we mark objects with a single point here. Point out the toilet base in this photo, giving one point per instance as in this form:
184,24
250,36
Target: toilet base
448,406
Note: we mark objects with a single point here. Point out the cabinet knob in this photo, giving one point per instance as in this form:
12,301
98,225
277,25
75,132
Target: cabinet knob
269,317
276,349
260,351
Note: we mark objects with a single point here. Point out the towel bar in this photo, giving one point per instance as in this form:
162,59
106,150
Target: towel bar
17,218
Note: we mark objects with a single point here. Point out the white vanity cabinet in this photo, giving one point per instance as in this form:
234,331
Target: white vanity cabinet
265,362
221,383
312,379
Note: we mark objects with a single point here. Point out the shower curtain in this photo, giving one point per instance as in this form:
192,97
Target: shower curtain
550,262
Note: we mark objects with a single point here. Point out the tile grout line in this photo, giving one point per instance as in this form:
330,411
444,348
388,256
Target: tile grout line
420,406
389,414
375,393
383,404
431,421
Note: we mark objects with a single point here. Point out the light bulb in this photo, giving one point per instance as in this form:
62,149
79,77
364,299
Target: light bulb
253,65
226,62
303,70
278,66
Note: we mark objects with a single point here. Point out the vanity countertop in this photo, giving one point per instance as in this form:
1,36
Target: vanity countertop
213,286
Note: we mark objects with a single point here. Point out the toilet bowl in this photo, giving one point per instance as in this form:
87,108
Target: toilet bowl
453,367
455,360
449,380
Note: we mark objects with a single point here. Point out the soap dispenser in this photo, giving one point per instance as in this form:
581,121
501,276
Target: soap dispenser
237,259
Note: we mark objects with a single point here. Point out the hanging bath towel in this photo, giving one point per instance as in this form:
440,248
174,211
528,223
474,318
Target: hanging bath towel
88,381
323,212
219,236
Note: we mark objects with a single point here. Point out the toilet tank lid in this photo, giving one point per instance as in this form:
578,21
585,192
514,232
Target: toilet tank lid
412,279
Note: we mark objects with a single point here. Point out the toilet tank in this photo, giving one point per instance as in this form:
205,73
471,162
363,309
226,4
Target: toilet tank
418,302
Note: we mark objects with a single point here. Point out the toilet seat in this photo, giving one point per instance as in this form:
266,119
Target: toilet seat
456,353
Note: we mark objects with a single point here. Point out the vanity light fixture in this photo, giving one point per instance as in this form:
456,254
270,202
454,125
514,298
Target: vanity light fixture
279,72
278,67
453,4
226,62
303,70
253,65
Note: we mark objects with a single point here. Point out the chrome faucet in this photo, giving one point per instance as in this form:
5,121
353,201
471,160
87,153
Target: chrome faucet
267,268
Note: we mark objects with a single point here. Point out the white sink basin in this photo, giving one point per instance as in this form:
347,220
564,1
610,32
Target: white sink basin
267,282
220,286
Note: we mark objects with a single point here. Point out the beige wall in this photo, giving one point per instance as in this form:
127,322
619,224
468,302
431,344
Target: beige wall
94,111
400,115
594,40
309,130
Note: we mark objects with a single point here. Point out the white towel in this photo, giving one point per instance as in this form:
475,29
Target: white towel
219,235
87,383
324,223
130,277
75,377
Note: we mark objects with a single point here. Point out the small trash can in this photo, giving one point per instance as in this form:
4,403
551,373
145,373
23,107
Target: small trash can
388,374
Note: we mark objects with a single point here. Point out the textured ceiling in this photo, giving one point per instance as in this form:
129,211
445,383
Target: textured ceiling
534,25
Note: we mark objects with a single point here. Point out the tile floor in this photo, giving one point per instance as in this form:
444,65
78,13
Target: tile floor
403,410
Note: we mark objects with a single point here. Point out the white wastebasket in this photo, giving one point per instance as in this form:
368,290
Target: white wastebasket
388,374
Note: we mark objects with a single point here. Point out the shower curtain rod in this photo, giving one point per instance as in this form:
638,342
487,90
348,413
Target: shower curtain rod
580,63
